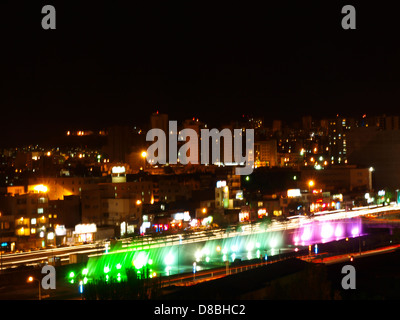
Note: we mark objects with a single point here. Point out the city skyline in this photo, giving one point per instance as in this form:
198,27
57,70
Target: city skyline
171,151
60,131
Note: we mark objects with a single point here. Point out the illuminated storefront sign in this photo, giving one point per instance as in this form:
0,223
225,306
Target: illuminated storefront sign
60,230
244,216
85,232
185,216
145,225
262,212
338,197
206,221
239,195
118,169
85,228
293,193
221,183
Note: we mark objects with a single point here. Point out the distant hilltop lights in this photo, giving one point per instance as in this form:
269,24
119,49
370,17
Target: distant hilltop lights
157,152
81,133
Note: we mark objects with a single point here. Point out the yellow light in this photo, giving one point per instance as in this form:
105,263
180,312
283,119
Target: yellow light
311,183
144,154
138,202
30,279
40,188
48,153
204,210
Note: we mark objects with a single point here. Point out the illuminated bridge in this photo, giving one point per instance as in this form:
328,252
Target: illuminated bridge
180,253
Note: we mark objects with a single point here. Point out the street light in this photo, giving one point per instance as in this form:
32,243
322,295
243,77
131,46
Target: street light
31,279
144,155
310,184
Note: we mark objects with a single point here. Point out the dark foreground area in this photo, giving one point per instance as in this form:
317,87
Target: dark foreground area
377,277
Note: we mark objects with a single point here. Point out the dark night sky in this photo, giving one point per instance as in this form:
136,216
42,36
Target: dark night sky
108,63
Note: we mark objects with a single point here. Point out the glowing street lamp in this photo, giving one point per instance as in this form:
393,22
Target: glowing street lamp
40,188
310,184
31,279
144,155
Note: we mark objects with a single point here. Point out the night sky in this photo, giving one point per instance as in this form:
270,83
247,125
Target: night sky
107,63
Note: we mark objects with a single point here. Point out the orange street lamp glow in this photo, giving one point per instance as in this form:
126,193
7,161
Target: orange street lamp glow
144,154
31,279
40,188
311,183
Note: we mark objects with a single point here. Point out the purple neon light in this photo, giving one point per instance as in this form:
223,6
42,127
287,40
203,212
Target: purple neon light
355,231
316,231
339,231
326,231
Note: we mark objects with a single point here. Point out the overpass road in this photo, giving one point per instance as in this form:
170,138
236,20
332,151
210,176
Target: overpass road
13,260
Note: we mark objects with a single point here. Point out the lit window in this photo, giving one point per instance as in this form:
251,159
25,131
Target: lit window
42,200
